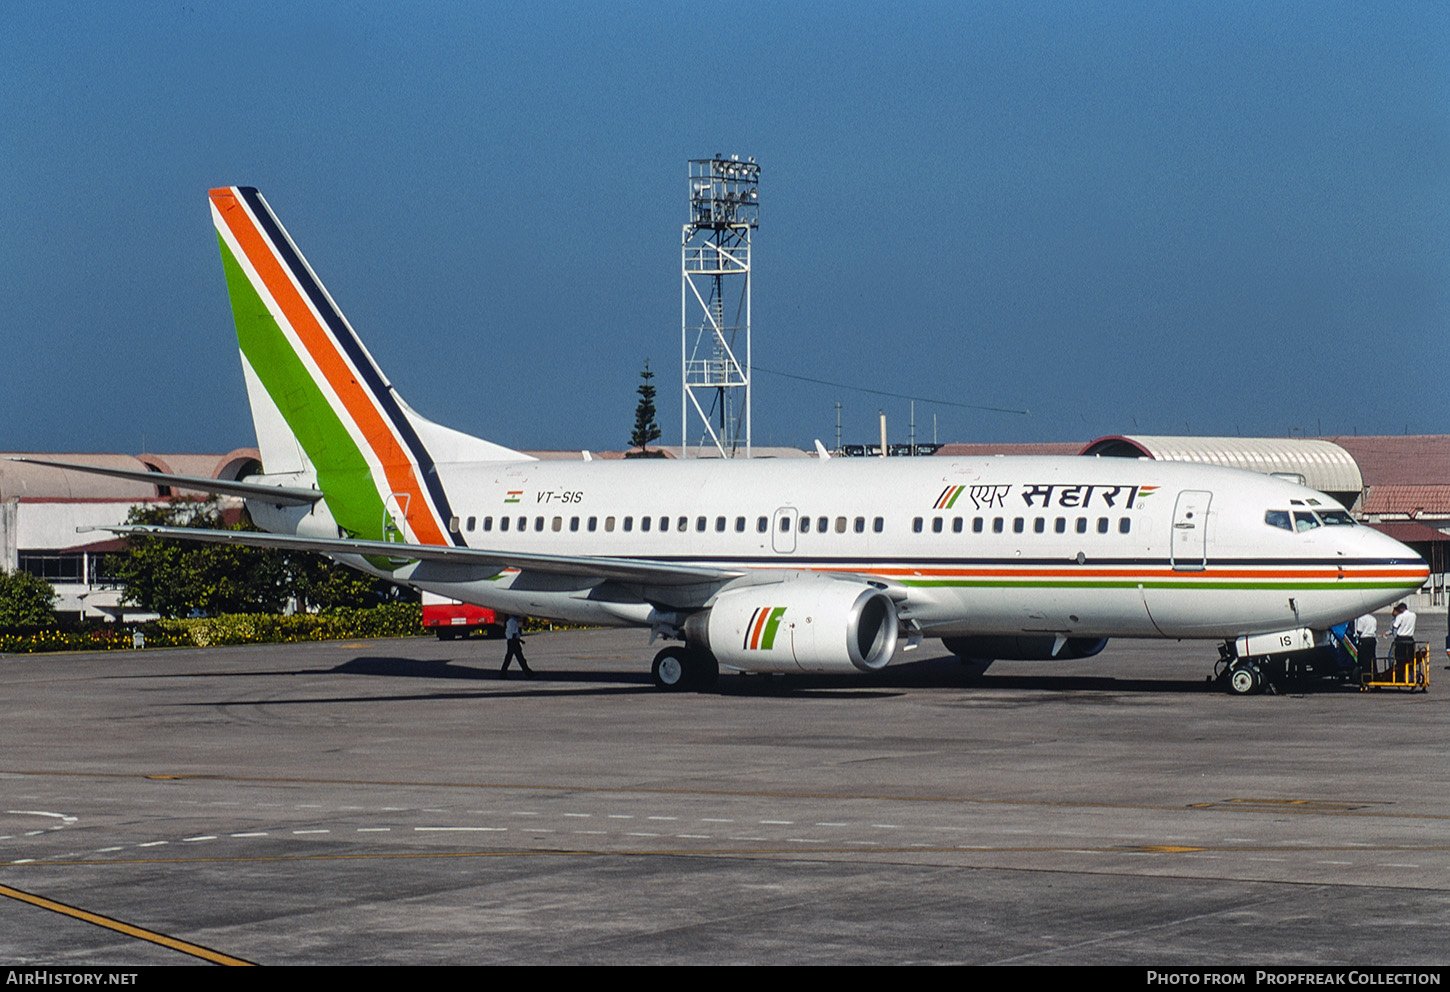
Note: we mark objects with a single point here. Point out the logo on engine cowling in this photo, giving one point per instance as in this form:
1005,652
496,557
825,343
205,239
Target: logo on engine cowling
760,631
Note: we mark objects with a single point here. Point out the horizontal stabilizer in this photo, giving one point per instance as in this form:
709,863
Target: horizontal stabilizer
634,571
279,495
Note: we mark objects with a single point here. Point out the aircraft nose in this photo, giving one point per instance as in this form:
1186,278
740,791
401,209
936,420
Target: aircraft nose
1401,568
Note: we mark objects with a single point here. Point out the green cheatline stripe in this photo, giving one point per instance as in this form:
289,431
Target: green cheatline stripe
1003,583
342,472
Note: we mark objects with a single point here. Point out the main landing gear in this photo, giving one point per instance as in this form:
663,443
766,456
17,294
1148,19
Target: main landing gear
678,668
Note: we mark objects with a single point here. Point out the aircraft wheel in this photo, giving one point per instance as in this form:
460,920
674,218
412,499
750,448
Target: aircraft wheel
1245,679
671,669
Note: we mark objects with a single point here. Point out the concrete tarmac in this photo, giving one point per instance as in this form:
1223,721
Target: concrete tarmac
397,802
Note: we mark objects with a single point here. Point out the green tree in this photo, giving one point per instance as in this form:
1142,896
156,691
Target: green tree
179,578
645,428
318,582
26,601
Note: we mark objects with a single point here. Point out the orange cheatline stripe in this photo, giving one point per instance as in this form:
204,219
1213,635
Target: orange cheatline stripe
1224,573
317,340
185,947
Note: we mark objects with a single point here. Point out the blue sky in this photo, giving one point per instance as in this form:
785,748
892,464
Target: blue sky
1188,217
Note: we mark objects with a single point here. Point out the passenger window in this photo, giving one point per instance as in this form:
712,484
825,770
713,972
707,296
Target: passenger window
976,525
488,523
593,524
573,523
936,525
719,525
453,525
841,525
1039,526
503,523
823,524
1018,525
472,521
523,524
1102,525
645,523
916,525
1125,524
559,524
805,525
699,524
997,525
609,525
740,525
682,524
538,523
629,524
784,524
762,524
1060,525
665,524
956,525
1082,525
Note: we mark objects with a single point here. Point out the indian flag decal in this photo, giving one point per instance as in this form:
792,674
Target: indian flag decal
514,495
760,632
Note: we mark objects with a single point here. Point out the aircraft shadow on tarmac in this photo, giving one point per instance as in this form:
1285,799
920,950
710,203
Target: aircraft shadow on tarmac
945,672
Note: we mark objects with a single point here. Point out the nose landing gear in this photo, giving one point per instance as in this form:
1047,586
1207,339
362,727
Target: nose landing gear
1244,678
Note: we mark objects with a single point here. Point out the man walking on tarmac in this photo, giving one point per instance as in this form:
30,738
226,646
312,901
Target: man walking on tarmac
514,633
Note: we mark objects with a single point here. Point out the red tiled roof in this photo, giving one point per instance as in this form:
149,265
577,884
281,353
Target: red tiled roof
1411,532
1410,459
1412,500
987,450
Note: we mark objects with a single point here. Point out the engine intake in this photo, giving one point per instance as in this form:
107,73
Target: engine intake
814,624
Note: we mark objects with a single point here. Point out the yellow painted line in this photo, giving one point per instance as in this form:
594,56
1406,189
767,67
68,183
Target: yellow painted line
195,950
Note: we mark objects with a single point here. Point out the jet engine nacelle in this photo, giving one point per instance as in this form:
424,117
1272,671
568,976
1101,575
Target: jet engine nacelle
1024,648
800,625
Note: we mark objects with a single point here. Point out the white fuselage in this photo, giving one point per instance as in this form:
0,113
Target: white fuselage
1084,547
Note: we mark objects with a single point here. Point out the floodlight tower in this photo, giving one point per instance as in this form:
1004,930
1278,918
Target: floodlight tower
715,303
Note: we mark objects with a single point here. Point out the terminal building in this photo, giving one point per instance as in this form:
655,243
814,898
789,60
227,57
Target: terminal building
45,513
1396,484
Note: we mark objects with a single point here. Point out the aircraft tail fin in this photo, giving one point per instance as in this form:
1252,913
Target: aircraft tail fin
321,405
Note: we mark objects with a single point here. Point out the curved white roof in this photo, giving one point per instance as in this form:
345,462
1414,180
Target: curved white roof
1322,465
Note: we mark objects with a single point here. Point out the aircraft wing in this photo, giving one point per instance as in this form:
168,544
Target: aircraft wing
280,495
641,571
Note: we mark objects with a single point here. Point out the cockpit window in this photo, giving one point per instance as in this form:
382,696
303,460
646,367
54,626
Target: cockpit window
1278,518
1305,521
1336,518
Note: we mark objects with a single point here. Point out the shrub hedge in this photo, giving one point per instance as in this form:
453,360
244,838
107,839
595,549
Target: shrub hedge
390,620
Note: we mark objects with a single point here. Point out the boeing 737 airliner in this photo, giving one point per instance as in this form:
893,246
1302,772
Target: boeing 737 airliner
766,566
